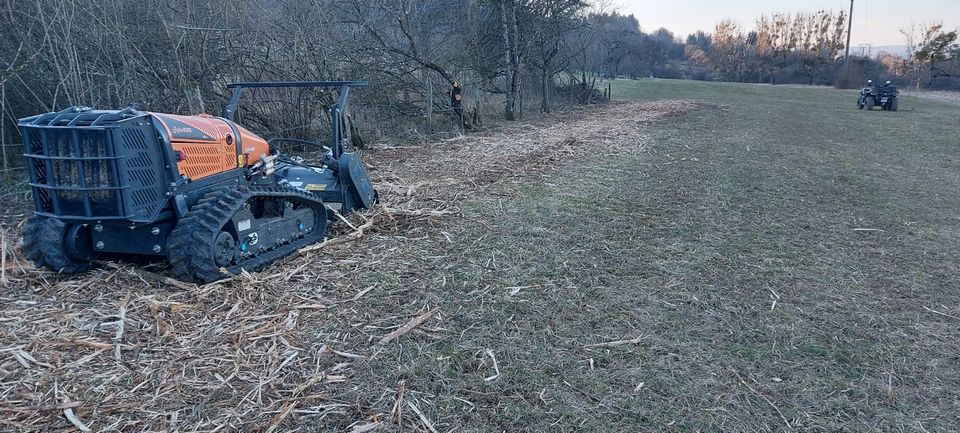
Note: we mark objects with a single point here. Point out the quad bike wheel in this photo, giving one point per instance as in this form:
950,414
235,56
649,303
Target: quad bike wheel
61,247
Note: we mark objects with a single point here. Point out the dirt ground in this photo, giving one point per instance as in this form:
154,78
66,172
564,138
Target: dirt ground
308,342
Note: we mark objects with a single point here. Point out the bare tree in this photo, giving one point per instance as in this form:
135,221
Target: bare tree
511,36
551,23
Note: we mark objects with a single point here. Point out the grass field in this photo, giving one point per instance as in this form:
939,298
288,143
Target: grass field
779,261
771,259
784,261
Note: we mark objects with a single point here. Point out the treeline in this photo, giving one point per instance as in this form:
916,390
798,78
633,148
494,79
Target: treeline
512,57
801,48
782,48
178,55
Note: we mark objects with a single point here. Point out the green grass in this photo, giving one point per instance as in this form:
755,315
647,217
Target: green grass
779,253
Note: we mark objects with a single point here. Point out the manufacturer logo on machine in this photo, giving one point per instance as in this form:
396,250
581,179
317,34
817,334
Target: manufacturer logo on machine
181,130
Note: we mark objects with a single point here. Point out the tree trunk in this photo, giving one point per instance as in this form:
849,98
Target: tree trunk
545,91
517,67
3,130
520,103
593,87
429,105
511,55
582,97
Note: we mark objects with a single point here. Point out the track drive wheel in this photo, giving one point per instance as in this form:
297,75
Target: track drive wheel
198,247
61,247
223,248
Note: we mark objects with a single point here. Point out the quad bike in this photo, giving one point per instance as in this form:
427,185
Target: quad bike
202,192
886,96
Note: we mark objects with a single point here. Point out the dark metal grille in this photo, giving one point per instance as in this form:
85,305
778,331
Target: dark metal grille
143,168
95,172
72,171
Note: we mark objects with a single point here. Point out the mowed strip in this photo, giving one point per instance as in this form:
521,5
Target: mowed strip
294,343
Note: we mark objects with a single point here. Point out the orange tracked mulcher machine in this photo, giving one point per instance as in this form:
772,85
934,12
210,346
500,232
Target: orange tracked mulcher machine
203,192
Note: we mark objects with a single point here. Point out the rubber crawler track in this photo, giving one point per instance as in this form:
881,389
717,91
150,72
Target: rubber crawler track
190,246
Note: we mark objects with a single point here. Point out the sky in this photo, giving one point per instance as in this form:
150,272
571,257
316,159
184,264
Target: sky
876,22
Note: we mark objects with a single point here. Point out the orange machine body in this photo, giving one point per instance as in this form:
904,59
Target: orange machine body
208,145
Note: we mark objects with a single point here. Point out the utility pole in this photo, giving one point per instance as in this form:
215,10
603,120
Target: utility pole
846,57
